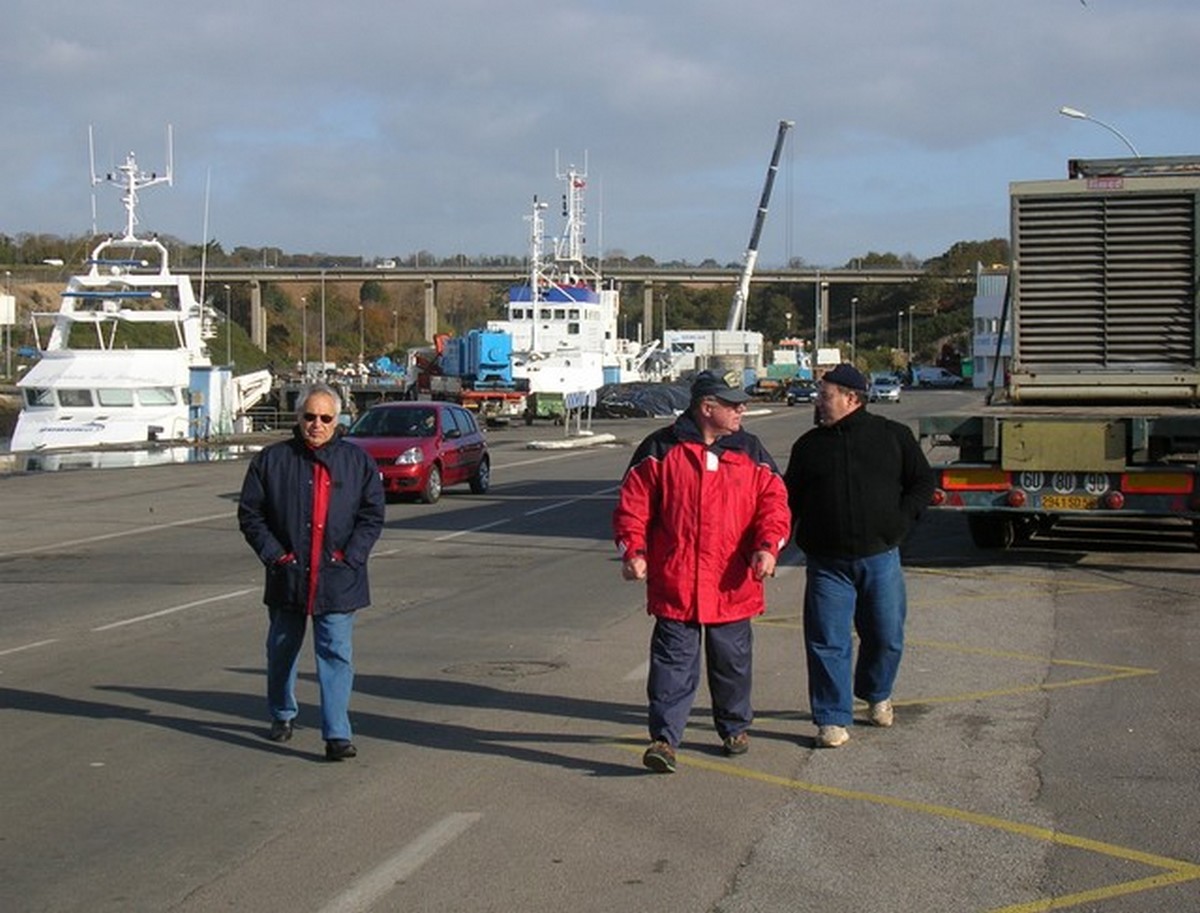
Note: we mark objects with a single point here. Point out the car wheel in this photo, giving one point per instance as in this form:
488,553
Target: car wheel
433,486
482,478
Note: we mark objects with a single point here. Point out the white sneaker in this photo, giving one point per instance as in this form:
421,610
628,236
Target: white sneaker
832,736
881,713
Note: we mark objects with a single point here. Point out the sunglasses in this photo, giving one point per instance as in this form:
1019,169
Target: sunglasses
313,416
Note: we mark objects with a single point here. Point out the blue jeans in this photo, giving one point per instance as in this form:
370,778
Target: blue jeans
868,596
675,676
333,646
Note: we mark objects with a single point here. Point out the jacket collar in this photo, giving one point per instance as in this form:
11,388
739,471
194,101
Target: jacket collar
686,429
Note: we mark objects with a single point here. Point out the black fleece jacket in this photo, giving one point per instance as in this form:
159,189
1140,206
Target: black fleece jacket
856,487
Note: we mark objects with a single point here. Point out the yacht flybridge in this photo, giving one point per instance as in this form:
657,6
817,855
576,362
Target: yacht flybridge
124,351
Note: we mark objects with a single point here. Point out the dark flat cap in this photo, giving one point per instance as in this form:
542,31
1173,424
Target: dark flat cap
848,376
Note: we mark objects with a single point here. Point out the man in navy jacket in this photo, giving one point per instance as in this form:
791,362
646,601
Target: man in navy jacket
312,508
856,485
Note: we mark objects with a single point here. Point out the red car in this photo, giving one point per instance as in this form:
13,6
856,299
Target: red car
422,447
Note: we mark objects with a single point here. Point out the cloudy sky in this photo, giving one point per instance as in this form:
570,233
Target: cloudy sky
383,127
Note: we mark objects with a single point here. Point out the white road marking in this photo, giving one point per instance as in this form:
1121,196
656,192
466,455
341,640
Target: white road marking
467,532
367,891
570,501
535,460
137,531
32,646
173,609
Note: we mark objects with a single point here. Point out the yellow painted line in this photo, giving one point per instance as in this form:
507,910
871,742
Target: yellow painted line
1015,689
1015,577
1069,586
952,647
1176,871
1121,889
1112,672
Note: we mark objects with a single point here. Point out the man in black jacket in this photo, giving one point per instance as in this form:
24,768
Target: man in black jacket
856,485
312,507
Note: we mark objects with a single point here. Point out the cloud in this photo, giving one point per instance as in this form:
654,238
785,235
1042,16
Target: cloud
380,128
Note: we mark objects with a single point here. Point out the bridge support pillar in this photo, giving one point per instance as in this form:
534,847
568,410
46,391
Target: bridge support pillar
431,314
258,321
647,311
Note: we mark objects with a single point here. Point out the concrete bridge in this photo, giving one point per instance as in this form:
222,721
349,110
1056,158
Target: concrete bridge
647,277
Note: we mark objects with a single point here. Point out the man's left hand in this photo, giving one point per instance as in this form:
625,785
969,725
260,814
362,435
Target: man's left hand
762,565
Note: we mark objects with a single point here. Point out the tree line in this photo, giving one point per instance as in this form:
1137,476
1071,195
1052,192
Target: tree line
388,317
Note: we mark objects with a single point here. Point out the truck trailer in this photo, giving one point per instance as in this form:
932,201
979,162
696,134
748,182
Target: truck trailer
1097,413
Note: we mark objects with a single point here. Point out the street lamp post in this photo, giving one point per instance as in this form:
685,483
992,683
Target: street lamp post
8,328
1066,111
395,330
228,330
853,331
816,315
323,361
910,321
361,346
304,335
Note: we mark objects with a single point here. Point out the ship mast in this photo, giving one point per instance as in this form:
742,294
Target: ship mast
132,179
537,280
568,250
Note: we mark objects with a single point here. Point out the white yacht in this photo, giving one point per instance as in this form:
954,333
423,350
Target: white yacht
125,350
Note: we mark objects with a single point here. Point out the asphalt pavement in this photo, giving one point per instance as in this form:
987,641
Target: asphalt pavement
1044,755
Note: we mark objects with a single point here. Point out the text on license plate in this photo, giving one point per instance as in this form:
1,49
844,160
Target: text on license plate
1070,502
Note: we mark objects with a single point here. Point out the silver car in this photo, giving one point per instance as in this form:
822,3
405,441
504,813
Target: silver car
886,390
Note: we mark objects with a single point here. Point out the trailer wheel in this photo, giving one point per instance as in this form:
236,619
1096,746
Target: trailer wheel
992,530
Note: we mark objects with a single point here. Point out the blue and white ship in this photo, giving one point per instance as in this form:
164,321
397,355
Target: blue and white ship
564,321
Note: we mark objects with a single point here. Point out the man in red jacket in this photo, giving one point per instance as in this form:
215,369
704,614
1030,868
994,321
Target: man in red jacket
701,517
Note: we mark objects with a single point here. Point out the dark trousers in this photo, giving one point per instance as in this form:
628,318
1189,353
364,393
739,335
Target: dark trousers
675,676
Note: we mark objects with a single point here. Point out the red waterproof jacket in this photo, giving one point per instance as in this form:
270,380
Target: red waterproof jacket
698,514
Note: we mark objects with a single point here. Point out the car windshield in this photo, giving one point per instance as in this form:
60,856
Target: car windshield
416,422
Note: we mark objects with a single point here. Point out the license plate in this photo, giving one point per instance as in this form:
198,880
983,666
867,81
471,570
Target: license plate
1070,502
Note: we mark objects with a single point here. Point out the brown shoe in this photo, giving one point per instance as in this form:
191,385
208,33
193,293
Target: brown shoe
660,757
736,744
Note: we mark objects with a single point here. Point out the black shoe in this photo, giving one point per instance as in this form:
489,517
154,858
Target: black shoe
339,750
281,730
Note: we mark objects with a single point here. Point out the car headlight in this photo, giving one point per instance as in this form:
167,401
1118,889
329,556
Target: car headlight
411,457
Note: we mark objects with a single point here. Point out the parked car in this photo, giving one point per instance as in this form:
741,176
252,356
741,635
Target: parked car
423,447
936,377
885,390
800,391
766,388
